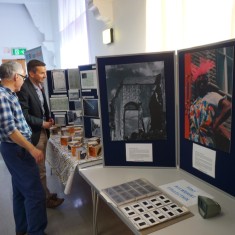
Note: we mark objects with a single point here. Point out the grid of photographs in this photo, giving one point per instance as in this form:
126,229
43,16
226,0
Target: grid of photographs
130,191
144,204
152,211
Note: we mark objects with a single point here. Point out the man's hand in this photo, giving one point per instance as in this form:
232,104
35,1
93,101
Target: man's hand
37,154
52,121
47,125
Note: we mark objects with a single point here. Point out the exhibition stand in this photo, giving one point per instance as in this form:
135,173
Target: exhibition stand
128,86
165,118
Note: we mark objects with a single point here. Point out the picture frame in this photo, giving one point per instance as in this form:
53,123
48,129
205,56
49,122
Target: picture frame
60,118
95,127
58,81
88,79
90,108
74,79
59,103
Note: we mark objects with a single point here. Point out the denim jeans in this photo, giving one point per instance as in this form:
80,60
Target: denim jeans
29,199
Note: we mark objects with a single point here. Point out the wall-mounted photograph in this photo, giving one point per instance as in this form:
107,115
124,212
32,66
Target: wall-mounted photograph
90,108
58,81
73,79
59,103
60,119
137,106
95,127
88,79
136,98
74,95
73,116
208,78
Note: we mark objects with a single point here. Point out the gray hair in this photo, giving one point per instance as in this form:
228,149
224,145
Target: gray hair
8,69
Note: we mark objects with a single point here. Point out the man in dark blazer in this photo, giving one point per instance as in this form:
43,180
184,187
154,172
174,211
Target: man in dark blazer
35,109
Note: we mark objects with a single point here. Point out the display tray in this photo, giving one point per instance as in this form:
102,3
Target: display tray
145,205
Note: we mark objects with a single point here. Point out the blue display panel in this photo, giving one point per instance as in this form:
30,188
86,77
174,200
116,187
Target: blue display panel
137,107
206,91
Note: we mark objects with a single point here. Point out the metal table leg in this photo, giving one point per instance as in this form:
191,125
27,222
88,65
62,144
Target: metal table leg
95,202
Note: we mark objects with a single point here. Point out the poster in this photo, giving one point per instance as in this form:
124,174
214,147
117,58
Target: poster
208,78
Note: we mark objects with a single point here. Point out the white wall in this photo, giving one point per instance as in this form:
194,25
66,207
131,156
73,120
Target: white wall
20,30
17,30
95,28
27,24
129,26
172,25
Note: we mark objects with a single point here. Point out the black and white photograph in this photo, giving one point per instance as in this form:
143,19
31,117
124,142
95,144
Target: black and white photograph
95,127
73,79
88,79
60,119
90,107
59,103
73,115
78,104
136,100
73,95
58,81
78,118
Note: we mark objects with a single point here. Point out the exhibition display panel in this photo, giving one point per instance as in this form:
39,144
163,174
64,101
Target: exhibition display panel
138,109
141,122
91,112
206,91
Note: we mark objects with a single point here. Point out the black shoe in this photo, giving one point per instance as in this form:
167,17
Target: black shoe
53,196
54,203
20,233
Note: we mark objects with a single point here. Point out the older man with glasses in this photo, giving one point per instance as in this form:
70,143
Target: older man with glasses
20,155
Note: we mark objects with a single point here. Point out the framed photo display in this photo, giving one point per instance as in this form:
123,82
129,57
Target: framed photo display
90,108
90,101
58,81
206,88
137,106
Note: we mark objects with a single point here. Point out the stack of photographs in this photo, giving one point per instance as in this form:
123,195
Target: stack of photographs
144,204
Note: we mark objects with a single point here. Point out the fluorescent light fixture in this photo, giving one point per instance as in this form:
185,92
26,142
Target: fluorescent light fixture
108,36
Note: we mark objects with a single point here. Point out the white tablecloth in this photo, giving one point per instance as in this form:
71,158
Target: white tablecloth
63,164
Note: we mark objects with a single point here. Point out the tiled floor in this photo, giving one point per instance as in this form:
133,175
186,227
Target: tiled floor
73,217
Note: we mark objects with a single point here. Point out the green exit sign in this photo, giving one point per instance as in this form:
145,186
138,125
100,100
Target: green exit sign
18,51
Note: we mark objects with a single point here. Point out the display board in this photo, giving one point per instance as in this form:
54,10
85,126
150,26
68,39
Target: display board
90,101
137,109
206,91
65,100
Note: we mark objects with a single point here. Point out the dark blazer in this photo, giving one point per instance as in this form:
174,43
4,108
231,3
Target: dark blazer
32,110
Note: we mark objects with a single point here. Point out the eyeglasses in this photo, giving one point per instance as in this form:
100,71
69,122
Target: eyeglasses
24,77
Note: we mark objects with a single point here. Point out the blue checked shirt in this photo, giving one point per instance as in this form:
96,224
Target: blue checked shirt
11,116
